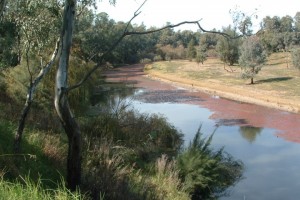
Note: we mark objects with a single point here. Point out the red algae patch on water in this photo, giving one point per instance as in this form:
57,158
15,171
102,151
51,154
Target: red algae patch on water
224,111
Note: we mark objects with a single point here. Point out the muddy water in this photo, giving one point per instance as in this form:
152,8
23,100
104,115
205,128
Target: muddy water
266,140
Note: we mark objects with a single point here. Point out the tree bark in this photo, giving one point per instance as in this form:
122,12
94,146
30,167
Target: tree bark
29,99
61,99
21,124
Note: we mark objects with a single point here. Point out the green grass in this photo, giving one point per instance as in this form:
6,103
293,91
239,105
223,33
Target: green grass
38,163
34,158
29,190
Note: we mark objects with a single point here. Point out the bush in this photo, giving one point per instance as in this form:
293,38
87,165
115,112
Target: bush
147,135
205,173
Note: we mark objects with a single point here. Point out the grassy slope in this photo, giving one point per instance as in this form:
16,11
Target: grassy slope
275,86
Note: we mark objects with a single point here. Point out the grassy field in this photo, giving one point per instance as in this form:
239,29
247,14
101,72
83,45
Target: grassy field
275,86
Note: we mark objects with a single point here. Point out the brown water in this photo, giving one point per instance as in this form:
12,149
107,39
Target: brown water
266,140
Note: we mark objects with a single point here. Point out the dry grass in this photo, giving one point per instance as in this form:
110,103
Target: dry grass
275,86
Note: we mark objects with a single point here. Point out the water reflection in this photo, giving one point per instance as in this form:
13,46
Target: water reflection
107,91
250,132
247,132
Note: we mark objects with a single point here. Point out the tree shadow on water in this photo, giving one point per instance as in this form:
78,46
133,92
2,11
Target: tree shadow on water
269,80
250,132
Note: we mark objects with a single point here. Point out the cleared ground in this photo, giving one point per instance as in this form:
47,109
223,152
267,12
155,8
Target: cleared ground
277,85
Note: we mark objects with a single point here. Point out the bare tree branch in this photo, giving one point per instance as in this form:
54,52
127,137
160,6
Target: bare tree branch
128,33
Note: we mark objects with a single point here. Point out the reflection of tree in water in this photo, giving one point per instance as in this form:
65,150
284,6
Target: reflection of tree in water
108,91
250,132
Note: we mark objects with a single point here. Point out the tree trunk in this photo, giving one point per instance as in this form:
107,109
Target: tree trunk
29,99
253,73
61,99
21,125
74,143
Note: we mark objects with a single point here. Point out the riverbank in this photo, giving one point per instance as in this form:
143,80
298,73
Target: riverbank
275,87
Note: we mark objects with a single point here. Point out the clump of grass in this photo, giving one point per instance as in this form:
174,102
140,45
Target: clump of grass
105,171
148,136
28,190
42,154
206,173
167,179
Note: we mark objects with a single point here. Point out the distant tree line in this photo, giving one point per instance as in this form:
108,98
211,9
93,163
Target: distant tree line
96,32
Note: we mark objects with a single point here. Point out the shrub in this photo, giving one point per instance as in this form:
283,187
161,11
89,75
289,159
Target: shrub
206,173
147,135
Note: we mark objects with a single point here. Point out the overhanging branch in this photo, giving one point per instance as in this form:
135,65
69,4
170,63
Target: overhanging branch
126,32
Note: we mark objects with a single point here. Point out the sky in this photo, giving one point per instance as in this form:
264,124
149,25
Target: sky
212,13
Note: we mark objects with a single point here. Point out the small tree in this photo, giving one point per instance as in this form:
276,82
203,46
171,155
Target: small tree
191,50
296,58
201,55
252,57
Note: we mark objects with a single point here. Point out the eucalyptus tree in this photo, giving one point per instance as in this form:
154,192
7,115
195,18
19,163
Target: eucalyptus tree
36,26
71,9
208,41
62,88
201,54
252,57
228,49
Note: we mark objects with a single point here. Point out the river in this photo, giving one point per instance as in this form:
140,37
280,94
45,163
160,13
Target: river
266,140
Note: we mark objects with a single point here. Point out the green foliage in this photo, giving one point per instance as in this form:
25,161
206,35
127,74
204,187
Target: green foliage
252,57
122,145
147,135
191,52
228,49
42,153
201,55
8,34
206,173
296,58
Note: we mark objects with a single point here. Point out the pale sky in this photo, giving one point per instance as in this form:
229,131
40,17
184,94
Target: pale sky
213,13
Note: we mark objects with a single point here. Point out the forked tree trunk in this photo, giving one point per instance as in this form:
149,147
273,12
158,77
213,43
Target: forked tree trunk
29,99
61,99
